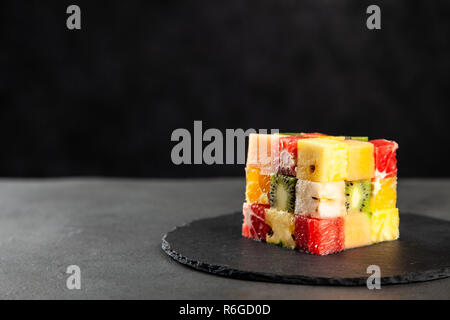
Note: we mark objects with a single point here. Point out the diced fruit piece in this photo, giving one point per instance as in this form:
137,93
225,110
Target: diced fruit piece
385,225
360,160
259,152
288,155
320,199
319,236
257,186
254,225
357,196
282,192
385,153
357,138
282,226
357,230
322,160
384,194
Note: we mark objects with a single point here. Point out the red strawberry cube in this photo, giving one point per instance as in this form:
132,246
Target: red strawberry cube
254,225
385,154
319,236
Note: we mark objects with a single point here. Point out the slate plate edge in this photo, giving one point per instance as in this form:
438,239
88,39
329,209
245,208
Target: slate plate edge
225,271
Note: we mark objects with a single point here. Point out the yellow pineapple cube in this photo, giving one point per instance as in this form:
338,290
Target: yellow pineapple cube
283,228
384,194
257,186
385,225
361,165
357,227
322,160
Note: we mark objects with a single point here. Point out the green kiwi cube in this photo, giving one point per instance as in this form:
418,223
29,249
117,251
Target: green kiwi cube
282,192
357,196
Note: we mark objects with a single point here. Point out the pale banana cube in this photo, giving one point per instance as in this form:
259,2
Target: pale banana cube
320,199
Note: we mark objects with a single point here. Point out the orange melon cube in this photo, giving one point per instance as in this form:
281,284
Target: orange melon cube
257,186
360,160
357,230
384,194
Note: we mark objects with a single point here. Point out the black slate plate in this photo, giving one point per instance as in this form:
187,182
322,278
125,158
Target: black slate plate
215,245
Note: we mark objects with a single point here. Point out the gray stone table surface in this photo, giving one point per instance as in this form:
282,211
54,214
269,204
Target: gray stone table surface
112,229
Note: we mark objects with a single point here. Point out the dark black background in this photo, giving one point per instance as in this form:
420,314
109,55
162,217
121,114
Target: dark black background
105,100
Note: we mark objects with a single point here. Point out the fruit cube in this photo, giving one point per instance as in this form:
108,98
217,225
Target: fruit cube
282,192
254,225
319,236
321,194
357,196
360,160
357,230
320,199
282,228
287,155
385,225
257,186
322,160
384,194
259,152
385,153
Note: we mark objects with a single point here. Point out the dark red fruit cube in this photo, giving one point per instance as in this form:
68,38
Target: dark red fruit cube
319,236
254,225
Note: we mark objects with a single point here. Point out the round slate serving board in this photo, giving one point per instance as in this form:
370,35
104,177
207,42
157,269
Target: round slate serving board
215,245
